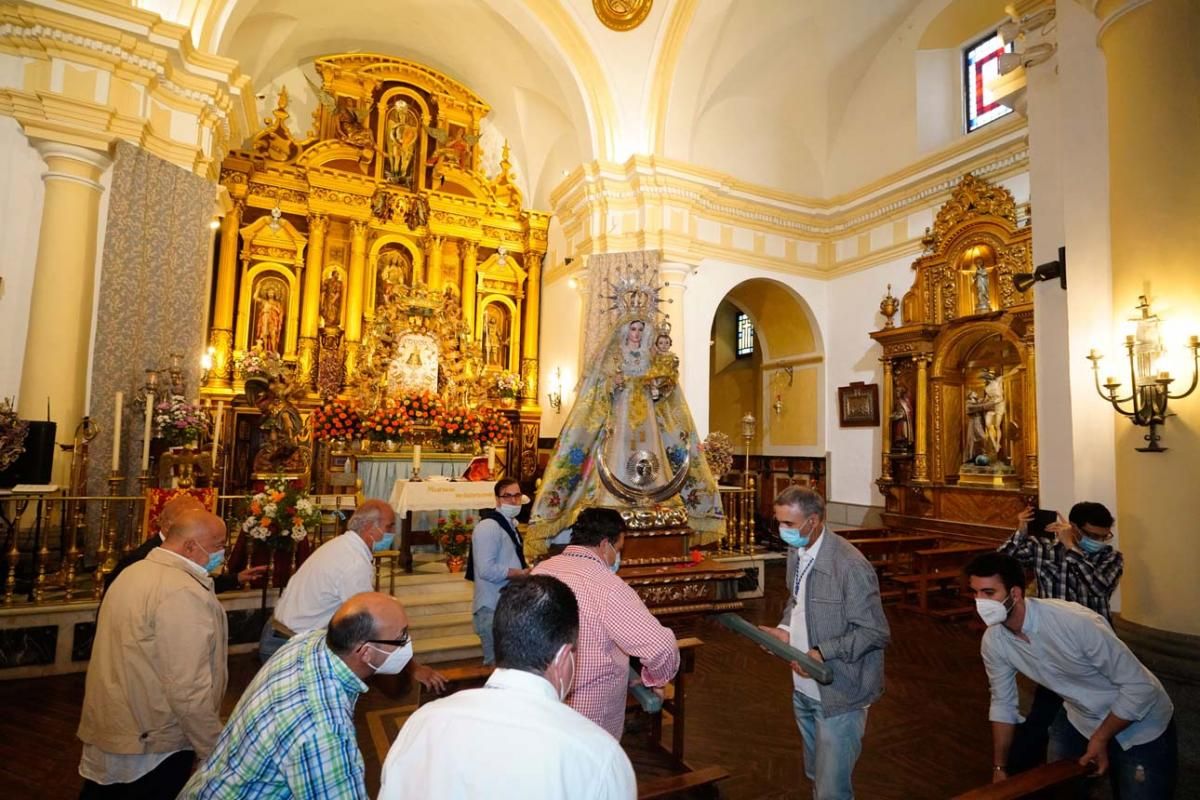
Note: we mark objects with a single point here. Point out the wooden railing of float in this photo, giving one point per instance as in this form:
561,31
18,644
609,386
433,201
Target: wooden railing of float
1023,784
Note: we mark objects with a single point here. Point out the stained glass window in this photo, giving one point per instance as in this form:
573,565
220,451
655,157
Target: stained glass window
981,62
745,335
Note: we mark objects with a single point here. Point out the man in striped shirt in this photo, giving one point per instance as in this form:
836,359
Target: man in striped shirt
292,733
614,622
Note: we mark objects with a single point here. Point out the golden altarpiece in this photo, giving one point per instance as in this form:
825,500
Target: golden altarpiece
958,405
374,255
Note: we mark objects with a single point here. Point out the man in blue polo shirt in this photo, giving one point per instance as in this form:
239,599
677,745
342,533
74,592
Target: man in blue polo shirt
497,556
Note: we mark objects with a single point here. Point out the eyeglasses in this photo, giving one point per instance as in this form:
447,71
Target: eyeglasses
510,496
1099,534
401,642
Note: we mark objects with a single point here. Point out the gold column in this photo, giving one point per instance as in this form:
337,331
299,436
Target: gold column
920,460
433,257
55,366
220,338
468,252
1030,481
529,333
318,224
885,407
354,293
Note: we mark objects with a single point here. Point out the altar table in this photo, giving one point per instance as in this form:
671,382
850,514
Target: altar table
430,495
380,471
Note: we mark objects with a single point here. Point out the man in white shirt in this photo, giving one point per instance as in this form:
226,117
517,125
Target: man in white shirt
1119,712
525,743
158,668
335,572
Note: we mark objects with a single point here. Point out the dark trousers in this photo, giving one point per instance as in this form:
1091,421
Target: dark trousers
1143,772
1032,736
161,783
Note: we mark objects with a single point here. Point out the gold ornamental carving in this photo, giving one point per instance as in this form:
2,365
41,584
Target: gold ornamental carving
657,517
659,595
973,197
622,15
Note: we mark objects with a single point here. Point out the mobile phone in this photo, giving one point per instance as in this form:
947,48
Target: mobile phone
1041,518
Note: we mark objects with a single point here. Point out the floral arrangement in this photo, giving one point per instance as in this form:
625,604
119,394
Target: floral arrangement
391,421
457,425
12,434
453,534
494,427
507,384
421,408
718,452
258,361
335,420
280,515
178,422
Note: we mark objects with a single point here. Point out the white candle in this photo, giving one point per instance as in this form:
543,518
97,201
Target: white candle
217,429
146,434
491,454
118,401
416,459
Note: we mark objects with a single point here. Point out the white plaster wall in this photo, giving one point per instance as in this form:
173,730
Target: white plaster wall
21,194
560,345
852,355
704,291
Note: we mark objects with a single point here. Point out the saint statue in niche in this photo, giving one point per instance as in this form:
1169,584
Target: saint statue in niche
902,420
401,130
986,414
331,300
980,278
268,316
393,269
495,336
283,448
454,148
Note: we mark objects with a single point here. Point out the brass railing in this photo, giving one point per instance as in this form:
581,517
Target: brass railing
739,505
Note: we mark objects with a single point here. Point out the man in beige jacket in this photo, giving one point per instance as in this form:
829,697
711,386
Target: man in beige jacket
158,669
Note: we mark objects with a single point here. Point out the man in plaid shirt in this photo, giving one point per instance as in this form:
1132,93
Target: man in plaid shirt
1080,566
614,623
292,733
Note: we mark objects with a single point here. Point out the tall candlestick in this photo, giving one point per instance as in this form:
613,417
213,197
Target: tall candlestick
416,458
118,401
146,433
217,430
491,455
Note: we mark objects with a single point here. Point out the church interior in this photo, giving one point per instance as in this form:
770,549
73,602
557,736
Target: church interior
667,257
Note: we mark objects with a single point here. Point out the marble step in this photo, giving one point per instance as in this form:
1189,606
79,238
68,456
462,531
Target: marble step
423,605
447,648
418,584
438,626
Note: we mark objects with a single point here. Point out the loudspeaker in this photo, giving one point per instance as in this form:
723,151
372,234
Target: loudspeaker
36,464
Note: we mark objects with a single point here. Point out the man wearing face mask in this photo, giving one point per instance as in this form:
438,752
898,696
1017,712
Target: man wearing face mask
292,733
497,556
158,668
1121,719
525,743
835,615
615,623
335,572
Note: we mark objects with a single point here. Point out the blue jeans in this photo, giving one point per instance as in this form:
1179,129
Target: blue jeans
269,641
831,746
482,619
1143,772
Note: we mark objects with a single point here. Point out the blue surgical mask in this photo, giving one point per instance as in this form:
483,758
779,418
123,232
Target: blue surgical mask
793,538
616,565
215,560
385,543
1091,545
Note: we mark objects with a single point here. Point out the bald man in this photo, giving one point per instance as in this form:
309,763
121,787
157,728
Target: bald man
335,572
292,733
169,512
158,668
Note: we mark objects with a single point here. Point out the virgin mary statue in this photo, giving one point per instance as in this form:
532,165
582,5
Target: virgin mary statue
628,442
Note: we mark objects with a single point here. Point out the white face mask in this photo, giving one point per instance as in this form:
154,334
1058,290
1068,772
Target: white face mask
992,612
509,511
564,690
395,662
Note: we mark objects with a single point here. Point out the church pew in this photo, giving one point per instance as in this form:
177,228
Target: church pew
1023,784
862,533
937,568
892,553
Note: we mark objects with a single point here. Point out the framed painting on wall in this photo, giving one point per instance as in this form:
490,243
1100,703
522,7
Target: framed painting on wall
858,405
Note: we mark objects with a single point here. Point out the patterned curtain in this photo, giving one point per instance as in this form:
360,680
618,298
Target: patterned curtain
152,295
604,272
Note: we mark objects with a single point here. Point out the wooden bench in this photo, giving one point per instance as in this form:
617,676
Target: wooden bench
862,533
891,553
938,567
1023,784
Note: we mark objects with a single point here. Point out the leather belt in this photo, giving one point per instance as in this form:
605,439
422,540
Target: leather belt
281,629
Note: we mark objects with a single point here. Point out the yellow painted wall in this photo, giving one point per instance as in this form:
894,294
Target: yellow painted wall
734,387
1154,107
777,316
961,20
797,425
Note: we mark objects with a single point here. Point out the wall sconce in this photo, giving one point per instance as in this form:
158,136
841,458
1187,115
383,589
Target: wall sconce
556,391
1150,383
1043,272
206,364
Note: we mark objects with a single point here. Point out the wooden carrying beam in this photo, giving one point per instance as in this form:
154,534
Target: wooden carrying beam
819,672
1026,783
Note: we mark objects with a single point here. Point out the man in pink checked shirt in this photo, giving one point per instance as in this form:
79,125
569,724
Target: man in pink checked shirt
614,623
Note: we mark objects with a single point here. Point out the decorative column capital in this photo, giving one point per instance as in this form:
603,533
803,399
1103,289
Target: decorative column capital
467,249
317,223
359,228
69,162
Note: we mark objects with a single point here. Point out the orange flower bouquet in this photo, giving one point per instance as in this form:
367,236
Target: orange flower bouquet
391,421
457,425
494,427
280,515
335,421
453,534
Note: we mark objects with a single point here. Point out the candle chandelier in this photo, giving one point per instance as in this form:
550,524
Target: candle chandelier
1150,381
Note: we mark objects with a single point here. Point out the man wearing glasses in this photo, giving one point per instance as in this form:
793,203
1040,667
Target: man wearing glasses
497,556
1078,565
292,733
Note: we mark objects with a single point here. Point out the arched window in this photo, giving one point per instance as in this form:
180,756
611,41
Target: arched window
981,62
745,335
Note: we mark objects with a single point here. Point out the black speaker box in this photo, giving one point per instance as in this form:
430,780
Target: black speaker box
36,464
